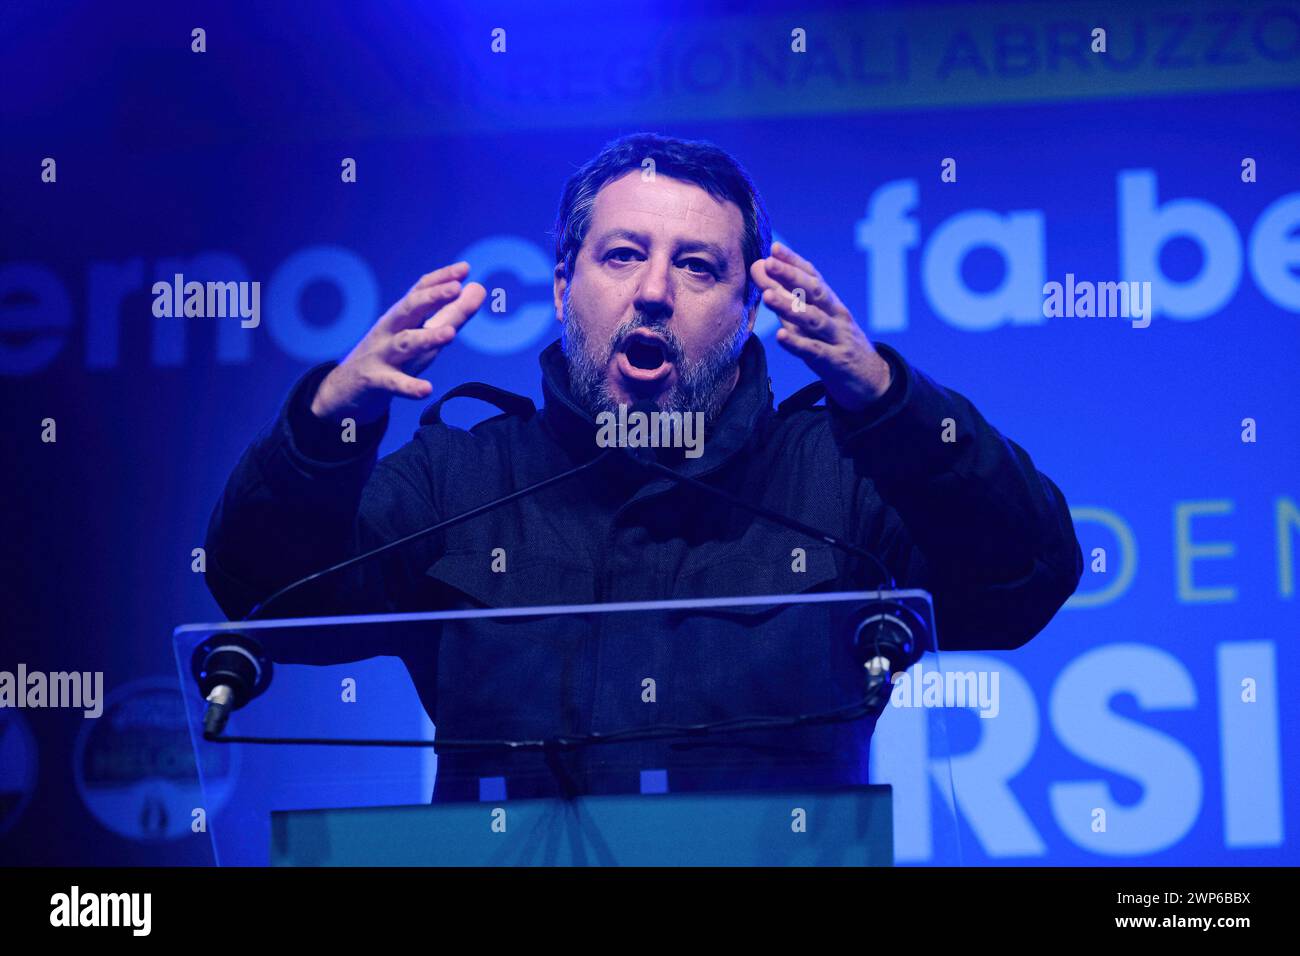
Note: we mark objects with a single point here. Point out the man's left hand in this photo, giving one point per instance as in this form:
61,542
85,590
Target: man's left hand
820,330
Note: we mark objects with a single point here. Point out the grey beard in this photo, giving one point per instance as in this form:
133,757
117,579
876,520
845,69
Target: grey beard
703,385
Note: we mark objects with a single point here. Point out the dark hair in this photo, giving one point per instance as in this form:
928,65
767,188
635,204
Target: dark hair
694,161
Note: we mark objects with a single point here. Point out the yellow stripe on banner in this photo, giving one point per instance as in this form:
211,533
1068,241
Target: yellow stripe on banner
552,75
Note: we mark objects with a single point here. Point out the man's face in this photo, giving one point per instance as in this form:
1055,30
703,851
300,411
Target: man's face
655,308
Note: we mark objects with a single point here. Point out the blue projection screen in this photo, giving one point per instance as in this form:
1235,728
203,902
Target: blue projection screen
965,176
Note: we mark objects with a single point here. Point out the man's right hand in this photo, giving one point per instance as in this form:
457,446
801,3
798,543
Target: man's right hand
399,347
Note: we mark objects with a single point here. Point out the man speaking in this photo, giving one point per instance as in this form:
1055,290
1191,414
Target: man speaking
663,251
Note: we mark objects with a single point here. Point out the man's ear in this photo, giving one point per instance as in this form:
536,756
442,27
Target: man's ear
560,285
753,315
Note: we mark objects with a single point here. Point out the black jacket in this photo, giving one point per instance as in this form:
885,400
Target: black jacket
971,520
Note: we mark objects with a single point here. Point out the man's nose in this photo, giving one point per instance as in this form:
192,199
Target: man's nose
654,296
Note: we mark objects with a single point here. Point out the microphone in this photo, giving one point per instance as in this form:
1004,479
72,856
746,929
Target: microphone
231,669
425,532
644,458
888,638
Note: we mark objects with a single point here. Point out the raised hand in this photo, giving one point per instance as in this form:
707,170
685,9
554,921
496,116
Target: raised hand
818,328
399,347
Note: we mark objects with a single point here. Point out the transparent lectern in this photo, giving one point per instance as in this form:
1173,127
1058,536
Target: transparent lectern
654,733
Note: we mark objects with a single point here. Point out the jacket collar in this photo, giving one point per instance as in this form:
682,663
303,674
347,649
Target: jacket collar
749,404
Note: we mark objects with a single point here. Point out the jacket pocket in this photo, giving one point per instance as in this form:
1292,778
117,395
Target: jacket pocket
778,565
522,577
768,658
511,676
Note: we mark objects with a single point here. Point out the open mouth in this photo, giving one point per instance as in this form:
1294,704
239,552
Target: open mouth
645,353
645,357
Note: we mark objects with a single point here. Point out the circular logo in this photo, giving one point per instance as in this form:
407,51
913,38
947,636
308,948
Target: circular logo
135,768
17,767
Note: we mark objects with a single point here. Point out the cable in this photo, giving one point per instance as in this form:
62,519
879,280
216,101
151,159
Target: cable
873,702
425,532
774,516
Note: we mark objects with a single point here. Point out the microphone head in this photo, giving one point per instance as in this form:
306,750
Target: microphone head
888,630
232,660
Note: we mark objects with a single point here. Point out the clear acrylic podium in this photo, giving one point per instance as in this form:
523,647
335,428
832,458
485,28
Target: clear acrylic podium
646,733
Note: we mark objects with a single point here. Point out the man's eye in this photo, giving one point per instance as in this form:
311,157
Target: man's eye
621,255
699,266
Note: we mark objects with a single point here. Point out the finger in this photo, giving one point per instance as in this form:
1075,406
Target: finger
809,349
418,304
406,386
797,277
758,270
778,296
786,254
457,271
809,319
413,345
458,312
